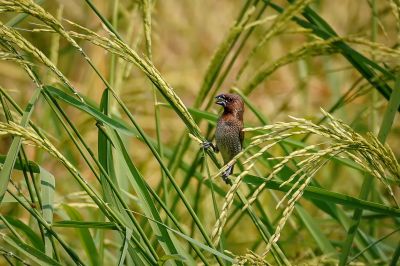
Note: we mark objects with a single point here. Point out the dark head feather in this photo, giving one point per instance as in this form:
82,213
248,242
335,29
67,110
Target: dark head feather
232,103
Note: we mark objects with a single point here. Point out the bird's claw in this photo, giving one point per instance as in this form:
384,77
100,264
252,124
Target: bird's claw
227,180
225,175
208,144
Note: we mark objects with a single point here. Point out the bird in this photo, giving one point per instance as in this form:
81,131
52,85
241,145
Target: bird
229,133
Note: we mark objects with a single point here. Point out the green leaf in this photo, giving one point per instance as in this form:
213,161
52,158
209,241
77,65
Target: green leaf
364,65
194,241
165,258
108,225
32,165
32,253
323,243
84,224
13,152
84,234
91,110
390,112
328,196
32,236
167,241
48,185
124,249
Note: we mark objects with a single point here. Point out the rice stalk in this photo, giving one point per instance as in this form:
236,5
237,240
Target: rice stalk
277,27
32,138
114,45
10,35
118,47
317,48
22,62
309,49
250,258
395,8
219,225
8,254
374,157
219,56
343,142
13,58
309,172
35,10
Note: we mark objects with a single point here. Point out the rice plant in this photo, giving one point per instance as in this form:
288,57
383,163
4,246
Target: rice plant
106,105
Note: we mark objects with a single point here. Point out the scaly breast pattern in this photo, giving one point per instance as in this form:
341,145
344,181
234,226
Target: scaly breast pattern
227,139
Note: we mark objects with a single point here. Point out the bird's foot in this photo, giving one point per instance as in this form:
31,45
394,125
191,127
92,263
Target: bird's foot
207,145
225,175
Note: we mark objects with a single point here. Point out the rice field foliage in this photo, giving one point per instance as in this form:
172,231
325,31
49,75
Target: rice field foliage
105,106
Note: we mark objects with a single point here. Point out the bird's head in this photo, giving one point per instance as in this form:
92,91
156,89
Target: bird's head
232,103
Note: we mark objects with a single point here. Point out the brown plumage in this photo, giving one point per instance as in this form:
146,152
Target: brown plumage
229,133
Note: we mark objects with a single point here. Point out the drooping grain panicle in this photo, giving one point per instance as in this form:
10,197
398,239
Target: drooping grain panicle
342,142
120,48
277,26
14,58
30,137
31,8
114,44
12,36
219,225
317,48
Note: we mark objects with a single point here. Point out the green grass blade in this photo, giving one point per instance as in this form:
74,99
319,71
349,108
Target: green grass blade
105,159
373,244
194,242
367,185
325,246
48,186
118,215
396,256
33,237
85,236
18,166
322,29
107,225
30,252
124,248
177,224
324,195
86,224
94,112
169,245
13,152
390,113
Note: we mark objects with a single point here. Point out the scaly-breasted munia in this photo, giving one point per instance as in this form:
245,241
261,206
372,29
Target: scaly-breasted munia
229,133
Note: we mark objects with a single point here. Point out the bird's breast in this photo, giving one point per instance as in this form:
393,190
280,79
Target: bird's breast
227,139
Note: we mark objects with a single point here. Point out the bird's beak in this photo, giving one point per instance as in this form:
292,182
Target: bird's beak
220,101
